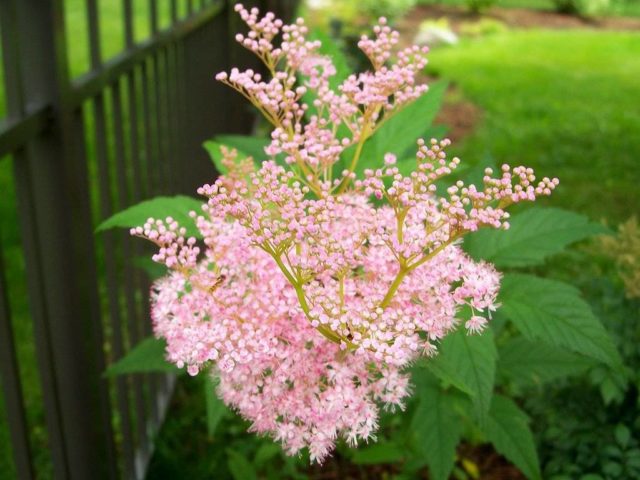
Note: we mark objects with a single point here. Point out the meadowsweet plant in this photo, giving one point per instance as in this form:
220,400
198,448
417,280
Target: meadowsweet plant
315,287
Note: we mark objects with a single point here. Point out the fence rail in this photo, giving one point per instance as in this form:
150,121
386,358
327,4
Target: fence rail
81,149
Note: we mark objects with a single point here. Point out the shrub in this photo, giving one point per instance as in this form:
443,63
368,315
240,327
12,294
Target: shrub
585,8
479,6
316,286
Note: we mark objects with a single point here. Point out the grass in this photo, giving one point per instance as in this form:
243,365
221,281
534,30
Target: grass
561,102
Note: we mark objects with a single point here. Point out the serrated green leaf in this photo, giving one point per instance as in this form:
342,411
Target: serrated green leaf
331,48
215,153
469,361
448,376
177,207
508,430
383,452
216,409
526,362
240,467
399,134
408,164
153,269
436,429
553,312
147,356
250,146
534,235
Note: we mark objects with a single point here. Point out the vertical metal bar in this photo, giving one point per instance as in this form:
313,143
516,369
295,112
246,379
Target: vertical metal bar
161,161
182,109
142,286
12,387
134,138
172,105
106,210
152,172
38,309
129,33
163,118
55,218
145,141
153,17
159,166
11,59
94,34
150,154
123,194
174,11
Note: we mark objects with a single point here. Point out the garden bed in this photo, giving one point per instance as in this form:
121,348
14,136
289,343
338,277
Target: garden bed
522,18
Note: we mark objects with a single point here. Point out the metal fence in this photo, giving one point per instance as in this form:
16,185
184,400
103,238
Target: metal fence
129,129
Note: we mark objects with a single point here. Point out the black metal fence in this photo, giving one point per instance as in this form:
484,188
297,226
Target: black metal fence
82,148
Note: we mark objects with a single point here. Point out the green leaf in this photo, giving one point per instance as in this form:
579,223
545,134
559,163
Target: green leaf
449,376
240,467
383,452
553,312
469,361
534,235
437,428
266,452
331,48
147,356
527,362
216,409
152,269
623,435
508,430
399,134
250,146
408,164
213,149
159,208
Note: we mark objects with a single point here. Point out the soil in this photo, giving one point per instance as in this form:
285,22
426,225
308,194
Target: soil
490,465
459,115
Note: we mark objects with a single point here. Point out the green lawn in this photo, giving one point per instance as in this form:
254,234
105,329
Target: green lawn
564,102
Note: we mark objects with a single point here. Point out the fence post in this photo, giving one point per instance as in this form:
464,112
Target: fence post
54,202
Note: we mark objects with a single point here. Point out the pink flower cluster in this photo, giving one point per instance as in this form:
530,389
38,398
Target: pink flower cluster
308,297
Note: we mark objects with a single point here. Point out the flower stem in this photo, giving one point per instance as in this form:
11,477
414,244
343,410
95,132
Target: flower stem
394,287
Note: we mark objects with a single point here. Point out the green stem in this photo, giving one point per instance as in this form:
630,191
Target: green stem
356,156
302,299
394,287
